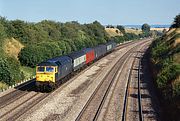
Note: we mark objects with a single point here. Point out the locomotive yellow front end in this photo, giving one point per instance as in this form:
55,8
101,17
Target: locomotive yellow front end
45,75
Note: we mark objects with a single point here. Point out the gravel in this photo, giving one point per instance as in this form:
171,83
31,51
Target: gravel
66,102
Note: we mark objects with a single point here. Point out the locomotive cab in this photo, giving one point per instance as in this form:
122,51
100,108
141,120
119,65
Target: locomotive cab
50,73
46,73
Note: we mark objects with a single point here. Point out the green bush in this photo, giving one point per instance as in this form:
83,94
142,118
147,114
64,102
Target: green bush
121,28
119,39
32,55
176,23
9,70
167,73
162,57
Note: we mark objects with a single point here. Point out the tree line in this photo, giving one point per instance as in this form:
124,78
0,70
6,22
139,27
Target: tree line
47,39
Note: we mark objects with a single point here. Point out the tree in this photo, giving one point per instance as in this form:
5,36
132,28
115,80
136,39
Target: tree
176,23
145,28
164,31
121,28
2,32
10,70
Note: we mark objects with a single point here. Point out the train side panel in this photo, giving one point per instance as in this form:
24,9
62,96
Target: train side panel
79,59
114,44
110,46
65,66
99,50
89,54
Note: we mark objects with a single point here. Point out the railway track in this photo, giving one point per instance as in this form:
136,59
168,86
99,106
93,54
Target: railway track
16,94
127,93
24,88
36,98
24,91
15,109
94,105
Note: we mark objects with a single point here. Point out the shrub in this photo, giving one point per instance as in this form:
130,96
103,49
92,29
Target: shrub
32,55
176,23
9,70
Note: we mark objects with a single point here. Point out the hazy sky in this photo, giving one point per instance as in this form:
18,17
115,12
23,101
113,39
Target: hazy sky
85,11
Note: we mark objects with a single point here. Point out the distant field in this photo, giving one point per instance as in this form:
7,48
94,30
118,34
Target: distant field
160,29
139,31
113,32
135,31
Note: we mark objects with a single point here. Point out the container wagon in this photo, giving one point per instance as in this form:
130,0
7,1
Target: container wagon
100,51
90,55
78,59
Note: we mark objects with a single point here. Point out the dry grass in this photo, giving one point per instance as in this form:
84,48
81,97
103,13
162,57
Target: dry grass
177,41
173,37
135,31
170,31
113,32
12,47
176,58
160,29
3,85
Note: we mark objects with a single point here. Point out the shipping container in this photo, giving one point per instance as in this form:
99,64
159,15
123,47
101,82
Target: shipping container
89,54
114,44
99,51
110,46
79,59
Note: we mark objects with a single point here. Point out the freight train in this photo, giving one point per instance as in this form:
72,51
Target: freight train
52,71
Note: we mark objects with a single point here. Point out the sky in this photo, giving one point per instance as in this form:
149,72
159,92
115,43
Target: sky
122,12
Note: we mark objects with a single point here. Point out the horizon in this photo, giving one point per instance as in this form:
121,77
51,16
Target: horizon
116,12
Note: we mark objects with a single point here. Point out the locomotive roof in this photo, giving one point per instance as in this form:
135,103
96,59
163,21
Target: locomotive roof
54,61
47,64
59,58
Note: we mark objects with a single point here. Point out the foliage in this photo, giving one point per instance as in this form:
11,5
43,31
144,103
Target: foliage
2,32
126,37
3,85
119,39
9,70
2,36
27,71
47,39
145,28
109,26
121,28
176,23
131,36
32,55
167,71
9,67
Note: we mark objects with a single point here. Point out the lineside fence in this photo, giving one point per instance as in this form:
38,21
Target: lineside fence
17,84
